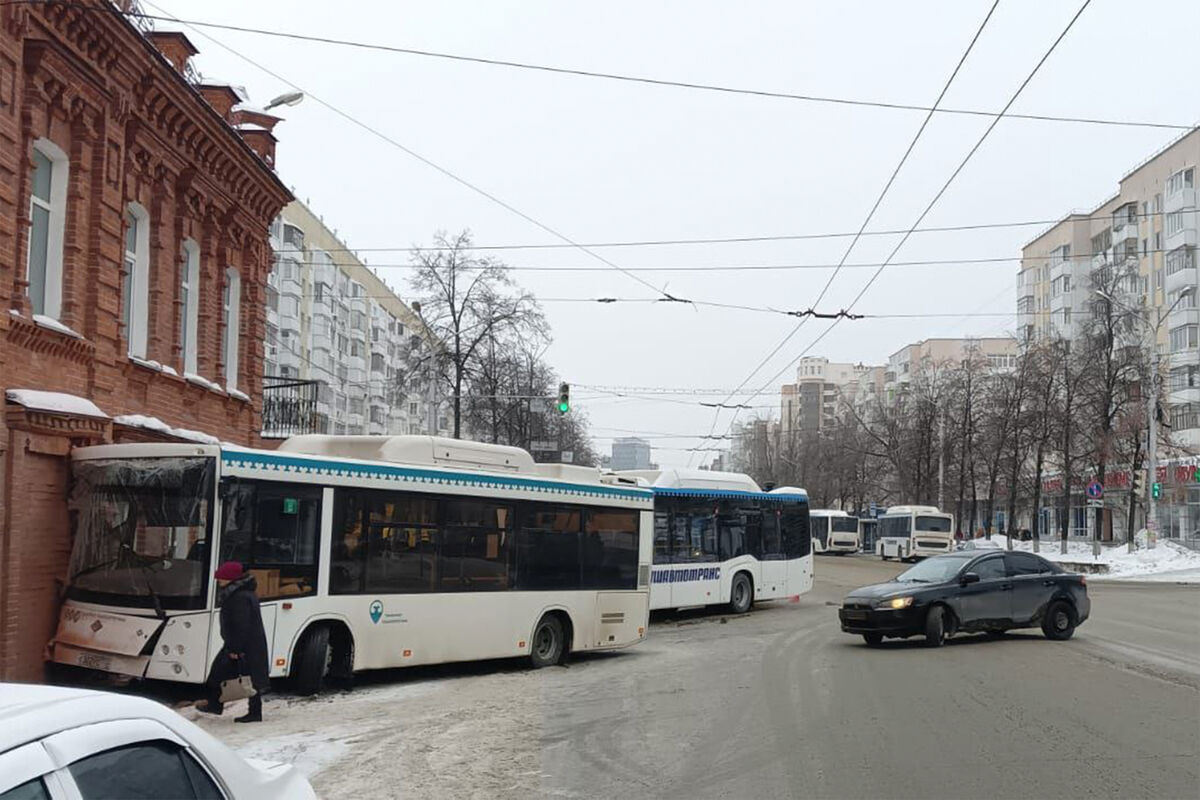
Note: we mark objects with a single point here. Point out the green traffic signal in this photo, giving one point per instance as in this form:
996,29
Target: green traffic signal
1156,490
564,398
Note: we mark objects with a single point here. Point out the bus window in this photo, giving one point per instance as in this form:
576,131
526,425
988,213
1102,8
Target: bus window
731,531
662,537
401,542
772,535
476,537
548,547
610,549
694,532
272,529
797,541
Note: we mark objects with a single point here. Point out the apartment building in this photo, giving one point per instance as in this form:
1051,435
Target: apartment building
912,360
630,452
813,402
340,342
1139,247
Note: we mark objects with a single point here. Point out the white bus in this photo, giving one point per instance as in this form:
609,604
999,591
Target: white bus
908,532
368,551
833,531
720,539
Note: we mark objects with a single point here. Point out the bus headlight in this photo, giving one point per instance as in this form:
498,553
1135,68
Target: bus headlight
895,603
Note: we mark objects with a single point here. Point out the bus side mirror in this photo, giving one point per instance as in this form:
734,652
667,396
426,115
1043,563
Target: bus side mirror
968,577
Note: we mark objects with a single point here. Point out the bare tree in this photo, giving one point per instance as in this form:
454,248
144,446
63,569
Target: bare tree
466,300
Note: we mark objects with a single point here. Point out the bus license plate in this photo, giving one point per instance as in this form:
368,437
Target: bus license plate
94,661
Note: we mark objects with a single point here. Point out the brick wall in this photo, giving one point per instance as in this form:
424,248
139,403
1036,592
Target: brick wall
134,131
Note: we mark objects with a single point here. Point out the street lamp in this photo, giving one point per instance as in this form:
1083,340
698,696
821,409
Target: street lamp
1151,407
288,99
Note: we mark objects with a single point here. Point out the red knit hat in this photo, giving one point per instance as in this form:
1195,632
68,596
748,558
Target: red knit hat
229,571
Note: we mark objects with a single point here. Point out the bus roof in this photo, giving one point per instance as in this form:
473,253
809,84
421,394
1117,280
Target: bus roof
679,482
828,512
895,511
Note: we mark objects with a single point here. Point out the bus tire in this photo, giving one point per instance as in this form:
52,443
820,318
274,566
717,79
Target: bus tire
741,594
311,660
548,643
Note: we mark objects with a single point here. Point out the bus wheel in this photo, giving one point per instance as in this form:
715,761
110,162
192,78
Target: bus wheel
547,642
311,660
741,594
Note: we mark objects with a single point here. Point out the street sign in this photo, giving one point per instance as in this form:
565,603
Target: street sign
874,509
568,456
1095,502
1095,490
543,444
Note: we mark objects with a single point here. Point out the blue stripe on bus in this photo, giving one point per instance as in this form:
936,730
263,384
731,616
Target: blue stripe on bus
731,493
285,464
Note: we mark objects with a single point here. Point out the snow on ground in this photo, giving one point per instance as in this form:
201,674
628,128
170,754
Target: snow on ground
1166,559
55,401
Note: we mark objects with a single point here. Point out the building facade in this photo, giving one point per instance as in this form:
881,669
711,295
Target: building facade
134,256
1138,247
909,362
339,341
816,400
630,453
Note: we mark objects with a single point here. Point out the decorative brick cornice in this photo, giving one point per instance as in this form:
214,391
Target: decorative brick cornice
27,334
93,430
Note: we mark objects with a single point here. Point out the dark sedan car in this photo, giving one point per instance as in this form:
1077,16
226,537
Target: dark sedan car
969,591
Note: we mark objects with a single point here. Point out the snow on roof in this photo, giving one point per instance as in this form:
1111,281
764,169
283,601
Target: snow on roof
155,424
240,91
250,126
55,401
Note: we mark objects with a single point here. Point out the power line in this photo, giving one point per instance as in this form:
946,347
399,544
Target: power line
612,76
870,214
939,194
413,154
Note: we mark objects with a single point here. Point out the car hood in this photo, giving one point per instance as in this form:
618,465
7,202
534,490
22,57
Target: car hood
878,590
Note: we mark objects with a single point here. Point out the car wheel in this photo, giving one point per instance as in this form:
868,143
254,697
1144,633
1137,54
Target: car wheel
935,627
873,639
1059,622
547,643
312,661
741,594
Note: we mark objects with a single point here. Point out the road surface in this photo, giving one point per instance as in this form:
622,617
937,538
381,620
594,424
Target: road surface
780,704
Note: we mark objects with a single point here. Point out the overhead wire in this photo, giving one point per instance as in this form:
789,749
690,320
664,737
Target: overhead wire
870,214
604,75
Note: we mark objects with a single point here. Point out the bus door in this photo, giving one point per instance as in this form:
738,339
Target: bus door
694,554
660,585
820,532
774,559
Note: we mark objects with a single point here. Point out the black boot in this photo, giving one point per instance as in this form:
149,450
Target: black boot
255,714
211,706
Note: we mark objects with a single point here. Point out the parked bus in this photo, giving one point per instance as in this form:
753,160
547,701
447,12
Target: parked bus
866,533
368,551
833,531
908,532
720,539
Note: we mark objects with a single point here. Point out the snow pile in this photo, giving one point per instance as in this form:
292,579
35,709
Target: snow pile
55,401
200,380
308,751
54,325
156,424
1166,557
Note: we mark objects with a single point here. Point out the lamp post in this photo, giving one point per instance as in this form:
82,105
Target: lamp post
288,99
1151,407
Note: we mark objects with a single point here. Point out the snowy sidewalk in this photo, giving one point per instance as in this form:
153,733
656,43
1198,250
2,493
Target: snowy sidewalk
1167,562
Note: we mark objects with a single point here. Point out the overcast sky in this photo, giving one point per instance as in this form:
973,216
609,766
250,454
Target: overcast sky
604,161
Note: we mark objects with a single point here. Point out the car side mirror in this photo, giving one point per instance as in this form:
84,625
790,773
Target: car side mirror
968,577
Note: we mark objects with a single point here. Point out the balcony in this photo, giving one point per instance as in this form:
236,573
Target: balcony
1187,276
289,408
1185,198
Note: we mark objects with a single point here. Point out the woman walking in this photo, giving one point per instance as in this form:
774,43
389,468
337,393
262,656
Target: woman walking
245,641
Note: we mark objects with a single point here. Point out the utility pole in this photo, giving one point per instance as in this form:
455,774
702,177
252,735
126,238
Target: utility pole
941,460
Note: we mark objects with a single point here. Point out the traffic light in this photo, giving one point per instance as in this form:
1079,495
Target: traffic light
1156,490
564,398
1139,479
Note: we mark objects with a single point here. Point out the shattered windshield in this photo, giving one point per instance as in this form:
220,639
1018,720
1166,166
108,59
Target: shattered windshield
141,531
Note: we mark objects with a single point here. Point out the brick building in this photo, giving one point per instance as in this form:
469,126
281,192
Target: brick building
135,204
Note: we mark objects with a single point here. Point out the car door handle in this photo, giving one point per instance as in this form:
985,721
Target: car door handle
1048,583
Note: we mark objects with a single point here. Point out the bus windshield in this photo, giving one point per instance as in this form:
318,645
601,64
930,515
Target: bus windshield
895,527
933,524
141,531
844,524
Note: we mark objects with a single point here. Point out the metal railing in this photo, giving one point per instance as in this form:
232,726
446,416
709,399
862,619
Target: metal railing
289,408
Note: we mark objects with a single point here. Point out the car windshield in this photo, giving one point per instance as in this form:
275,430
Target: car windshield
932,570
141,531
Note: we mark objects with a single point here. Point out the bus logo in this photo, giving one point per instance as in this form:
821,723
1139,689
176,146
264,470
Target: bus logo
376,611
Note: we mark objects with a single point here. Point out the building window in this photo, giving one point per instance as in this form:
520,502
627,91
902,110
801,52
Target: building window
47,214
1158,241
1178,259
1184,179
189,303
1184,337
1174,222
1185,416
1145,247
135,308
231,304
1157,203
1185,300
1185,378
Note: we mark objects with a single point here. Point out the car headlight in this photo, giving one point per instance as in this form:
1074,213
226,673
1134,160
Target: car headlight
895,603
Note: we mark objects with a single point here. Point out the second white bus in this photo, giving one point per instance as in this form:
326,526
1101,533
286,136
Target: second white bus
909,532
720,539
833,531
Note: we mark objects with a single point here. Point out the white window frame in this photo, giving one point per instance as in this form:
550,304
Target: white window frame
189,289
56,208
135,294
231,304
